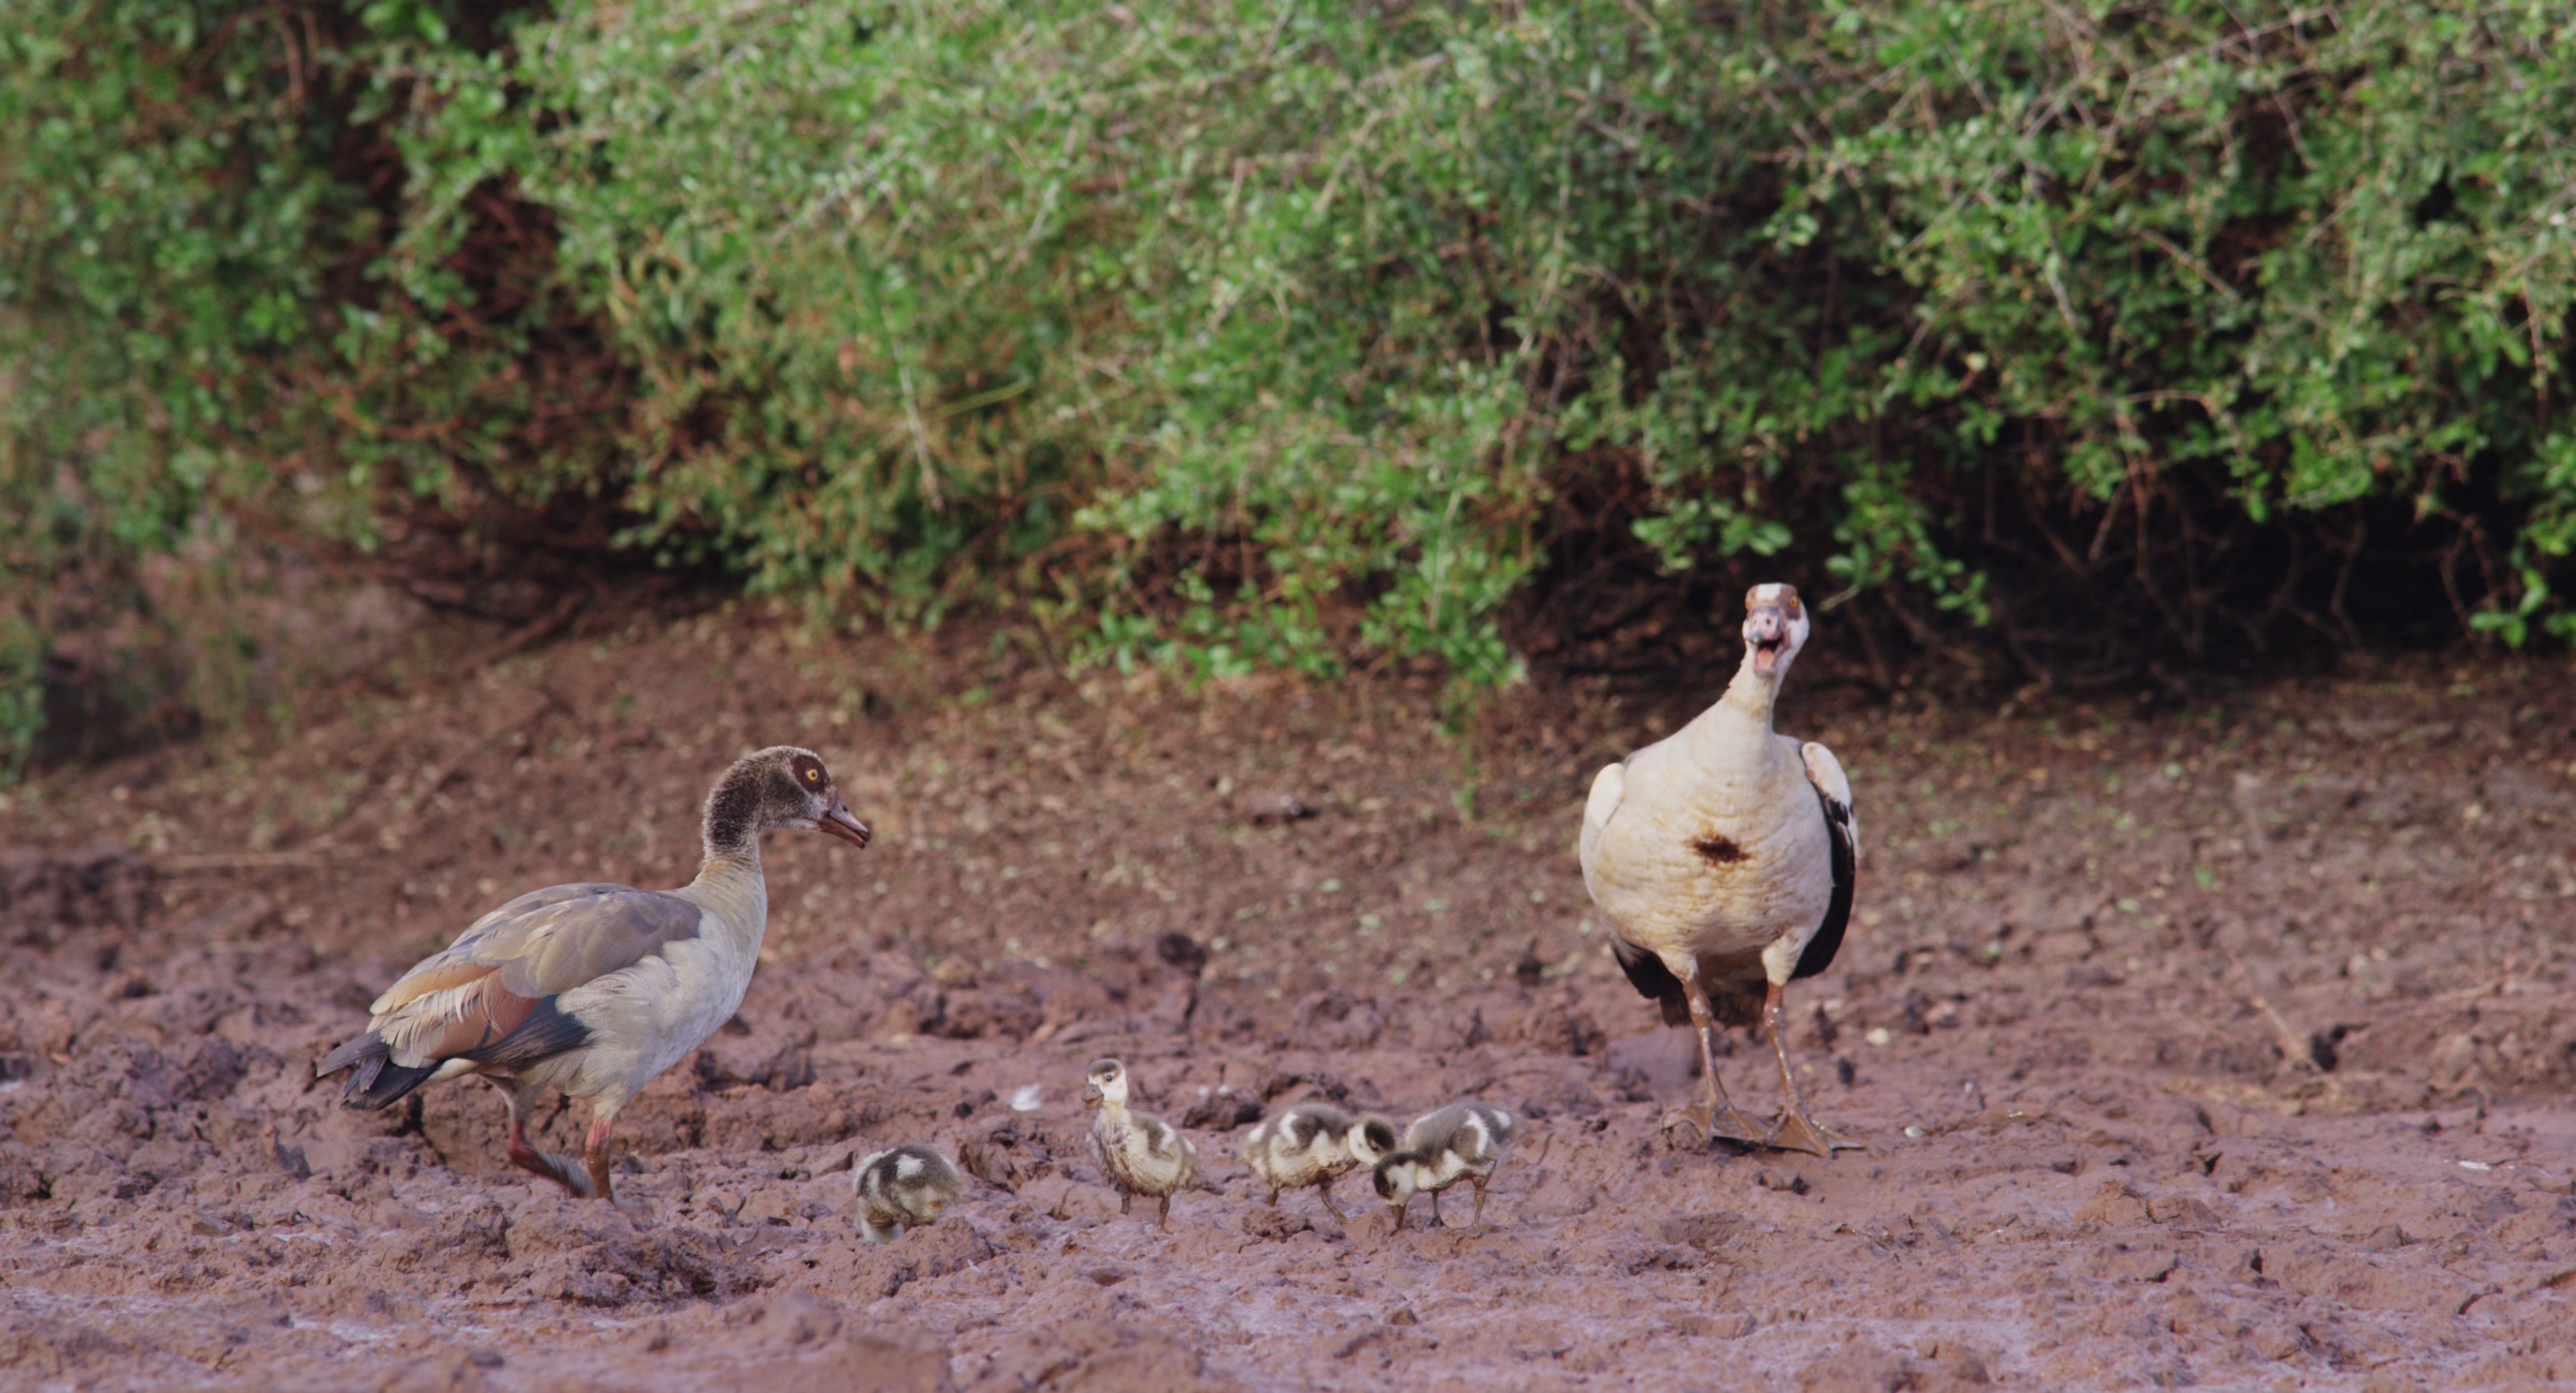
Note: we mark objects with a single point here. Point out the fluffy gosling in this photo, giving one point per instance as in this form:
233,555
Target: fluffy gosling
1141,1155
903,1187
1463,1141
1314,1144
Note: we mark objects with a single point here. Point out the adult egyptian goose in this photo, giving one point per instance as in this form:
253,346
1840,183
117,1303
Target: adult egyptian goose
1314,1144
903,1187
1723,857
1463,1141
1141,1155
594,989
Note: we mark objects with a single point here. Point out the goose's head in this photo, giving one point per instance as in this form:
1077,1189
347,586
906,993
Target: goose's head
1105,1085
1775,628
781,786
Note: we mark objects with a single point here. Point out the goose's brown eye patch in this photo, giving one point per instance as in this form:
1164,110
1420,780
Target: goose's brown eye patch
809,771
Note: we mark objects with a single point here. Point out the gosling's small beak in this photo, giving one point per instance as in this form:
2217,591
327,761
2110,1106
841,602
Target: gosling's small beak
839,822
1090,1094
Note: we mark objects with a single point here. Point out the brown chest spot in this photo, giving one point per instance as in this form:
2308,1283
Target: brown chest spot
1717,849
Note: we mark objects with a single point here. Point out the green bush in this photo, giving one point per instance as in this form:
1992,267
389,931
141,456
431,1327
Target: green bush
1236,334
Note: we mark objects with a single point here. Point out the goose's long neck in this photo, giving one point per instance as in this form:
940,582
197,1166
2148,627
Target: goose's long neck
735,889
1752,694
1741,718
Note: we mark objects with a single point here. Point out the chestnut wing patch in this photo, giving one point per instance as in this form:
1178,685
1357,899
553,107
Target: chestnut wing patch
483,1021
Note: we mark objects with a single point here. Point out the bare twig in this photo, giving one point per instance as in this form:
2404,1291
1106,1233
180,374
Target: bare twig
2296,1051
538,630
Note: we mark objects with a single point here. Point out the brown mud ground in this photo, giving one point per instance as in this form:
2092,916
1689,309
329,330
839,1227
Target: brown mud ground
2229,1048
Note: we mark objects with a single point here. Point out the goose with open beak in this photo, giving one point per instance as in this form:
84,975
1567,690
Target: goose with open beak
1724,857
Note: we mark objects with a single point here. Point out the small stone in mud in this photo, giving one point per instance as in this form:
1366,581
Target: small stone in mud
1403,1315
485,1359
1274,807
1266,1222
2122,1263
1791,1181
1108,1274
2112,1205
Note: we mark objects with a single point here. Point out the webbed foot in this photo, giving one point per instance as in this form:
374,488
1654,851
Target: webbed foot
1795,1131
1707,1123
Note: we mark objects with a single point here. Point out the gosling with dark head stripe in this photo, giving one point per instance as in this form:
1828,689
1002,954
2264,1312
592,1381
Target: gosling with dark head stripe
1463,1141
1140,1155
902,1188
1314,1144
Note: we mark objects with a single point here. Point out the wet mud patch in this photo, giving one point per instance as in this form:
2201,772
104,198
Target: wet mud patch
2077,1022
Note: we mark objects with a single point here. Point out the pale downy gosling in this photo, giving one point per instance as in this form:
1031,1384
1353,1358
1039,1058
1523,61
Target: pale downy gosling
1141,1155
1314,1144
1463,1141
903,1187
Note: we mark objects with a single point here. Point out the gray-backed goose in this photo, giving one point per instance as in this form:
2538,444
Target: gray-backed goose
1314,1144
903,1187
1723,857
1141,1155
1463,1141
594,989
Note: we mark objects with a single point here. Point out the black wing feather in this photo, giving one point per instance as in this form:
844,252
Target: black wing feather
1828,941
376,1080
1653,980
546,1031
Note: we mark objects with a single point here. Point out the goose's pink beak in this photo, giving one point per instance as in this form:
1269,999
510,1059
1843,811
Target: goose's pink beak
838,821
1766,629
